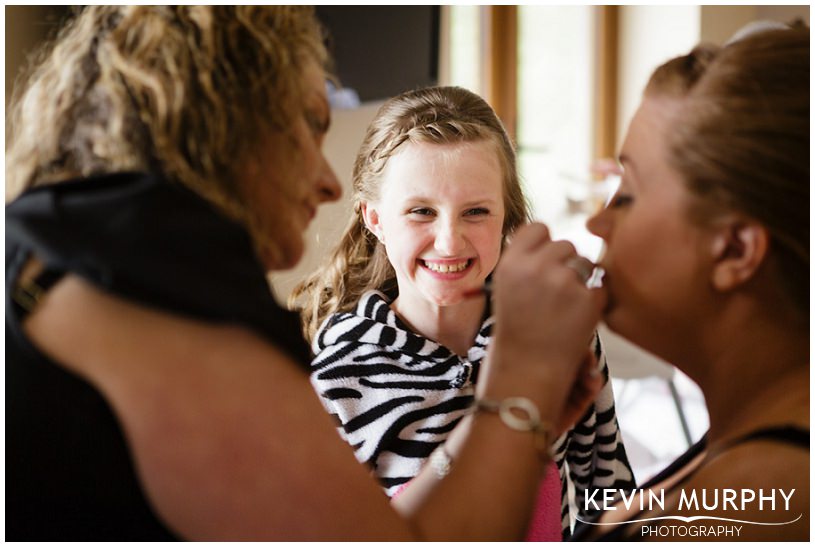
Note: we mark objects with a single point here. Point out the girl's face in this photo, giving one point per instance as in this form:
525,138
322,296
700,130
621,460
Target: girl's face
657,261
440,215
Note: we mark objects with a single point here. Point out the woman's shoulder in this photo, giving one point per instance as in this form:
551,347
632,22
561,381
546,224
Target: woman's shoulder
763,482
148,240
768,458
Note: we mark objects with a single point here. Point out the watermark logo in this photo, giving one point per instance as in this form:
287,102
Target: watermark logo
724,500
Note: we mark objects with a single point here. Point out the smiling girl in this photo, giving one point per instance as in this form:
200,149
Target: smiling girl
398,343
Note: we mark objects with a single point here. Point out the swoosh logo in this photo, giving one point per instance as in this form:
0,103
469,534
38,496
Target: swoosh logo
689,519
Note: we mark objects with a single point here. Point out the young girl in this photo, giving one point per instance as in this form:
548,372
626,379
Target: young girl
397,336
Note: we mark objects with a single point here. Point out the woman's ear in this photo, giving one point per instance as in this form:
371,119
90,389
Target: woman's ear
739,247
371,218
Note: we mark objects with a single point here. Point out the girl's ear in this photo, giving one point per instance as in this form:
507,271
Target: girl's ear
739,248
371,218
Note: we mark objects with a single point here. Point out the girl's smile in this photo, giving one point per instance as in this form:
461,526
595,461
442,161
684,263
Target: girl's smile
447,269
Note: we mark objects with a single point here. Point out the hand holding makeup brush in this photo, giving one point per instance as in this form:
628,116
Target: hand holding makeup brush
587,271
545,315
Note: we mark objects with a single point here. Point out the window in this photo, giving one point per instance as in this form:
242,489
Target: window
554,125
555,97
465,51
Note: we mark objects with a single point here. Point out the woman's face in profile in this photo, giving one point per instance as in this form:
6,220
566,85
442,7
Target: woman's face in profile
290,178
656,259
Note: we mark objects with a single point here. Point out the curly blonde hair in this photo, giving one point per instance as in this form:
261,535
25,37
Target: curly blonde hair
185,91
438,115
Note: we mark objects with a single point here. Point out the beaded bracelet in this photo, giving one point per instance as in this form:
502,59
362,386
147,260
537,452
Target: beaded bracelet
441,461
509,409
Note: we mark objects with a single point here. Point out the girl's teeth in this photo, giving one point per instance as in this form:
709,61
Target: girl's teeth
445,268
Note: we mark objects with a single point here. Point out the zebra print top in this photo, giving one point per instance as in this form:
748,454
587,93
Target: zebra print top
397,395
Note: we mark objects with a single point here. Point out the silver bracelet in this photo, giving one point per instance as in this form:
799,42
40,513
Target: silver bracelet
521,414
440,461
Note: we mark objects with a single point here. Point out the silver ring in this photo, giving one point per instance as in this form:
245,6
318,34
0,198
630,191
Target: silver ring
583,267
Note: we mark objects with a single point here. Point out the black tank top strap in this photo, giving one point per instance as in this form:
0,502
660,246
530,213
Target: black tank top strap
25,295
789,434
683,460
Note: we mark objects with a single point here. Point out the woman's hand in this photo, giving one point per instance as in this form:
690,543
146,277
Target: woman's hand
545,317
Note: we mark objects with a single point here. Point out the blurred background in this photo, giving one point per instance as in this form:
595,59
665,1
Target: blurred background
565,80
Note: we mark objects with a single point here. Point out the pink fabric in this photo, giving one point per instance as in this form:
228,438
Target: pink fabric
400,490
545,523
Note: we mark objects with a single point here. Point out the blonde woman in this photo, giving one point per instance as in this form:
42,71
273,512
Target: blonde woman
399,344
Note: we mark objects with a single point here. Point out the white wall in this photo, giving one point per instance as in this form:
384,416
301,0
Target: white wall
785,14
719,23
649,36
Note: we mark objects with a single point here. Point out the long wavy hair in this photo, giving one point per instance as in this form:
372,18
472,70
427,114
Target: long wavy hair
437,115
185,91
743,143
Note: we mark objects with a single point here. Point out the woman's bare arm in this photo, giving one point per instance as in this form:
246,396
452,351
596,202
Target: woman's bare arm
231,442
228,438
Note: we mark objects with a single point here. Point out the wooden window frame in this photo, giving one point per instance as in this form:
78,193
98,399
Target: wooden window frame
606,71
501,72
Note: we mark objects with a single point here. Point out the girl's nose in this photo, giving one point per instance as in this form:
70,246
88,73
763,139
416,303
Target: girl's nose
449,239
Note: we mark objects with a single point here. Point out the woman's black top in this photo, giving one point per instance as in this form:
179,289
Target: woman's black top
69,471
